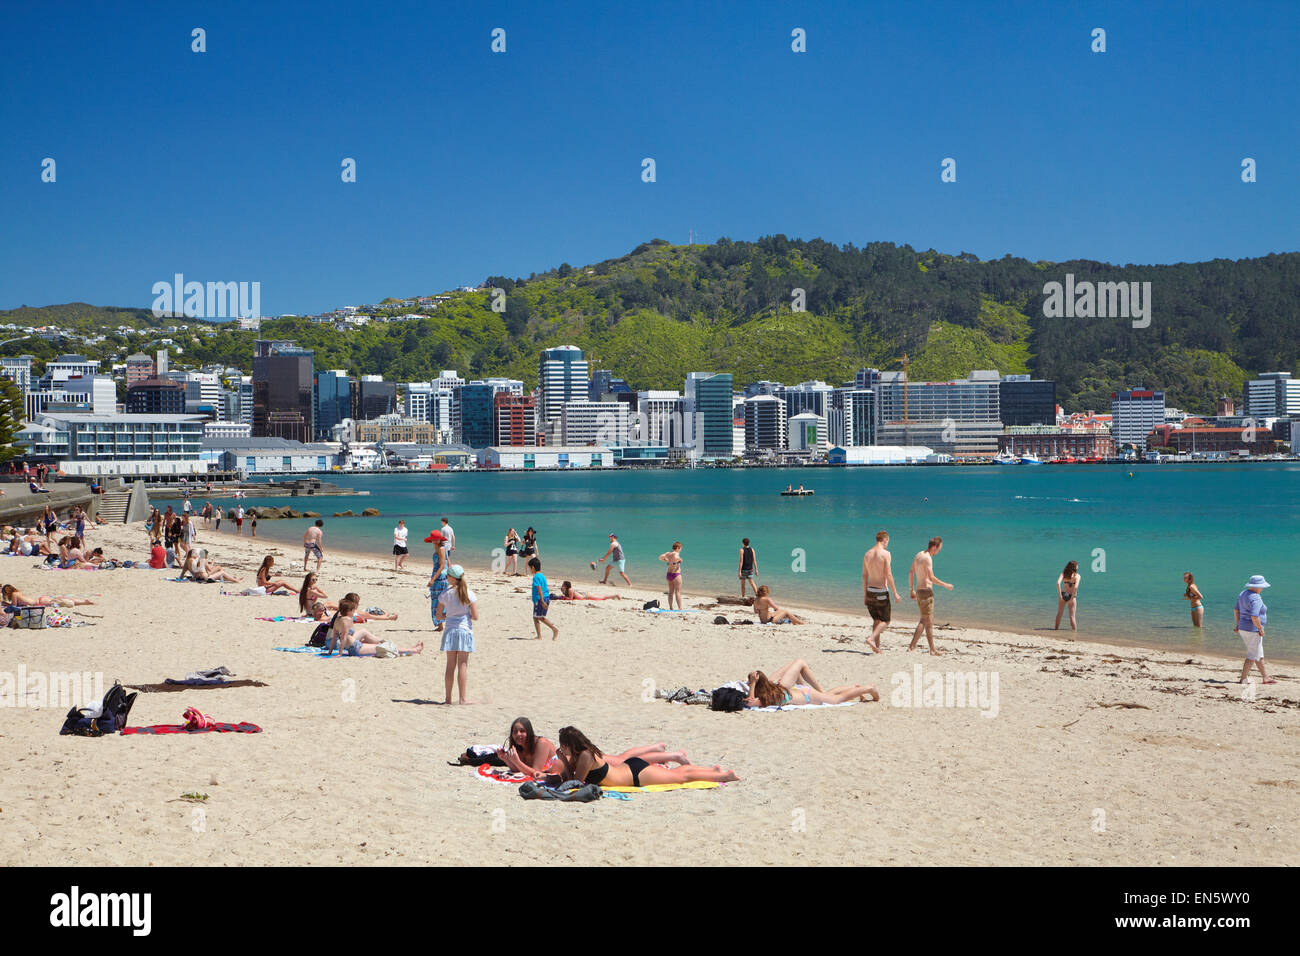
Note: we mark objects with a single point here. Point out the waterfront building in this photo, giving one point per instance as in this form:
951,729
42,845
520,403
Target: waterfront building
972,399
333,397
517,458
1195,438
884,455
269,455
1134,413
806,432
851,419
394,428
765,423
227,429
594,423
1026,401
812,397
90,444
954,438
283,389
1053,441
659,417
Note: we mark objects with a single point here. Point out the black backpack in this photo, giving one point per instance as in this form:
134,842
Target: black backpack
727,699
114,711
320,636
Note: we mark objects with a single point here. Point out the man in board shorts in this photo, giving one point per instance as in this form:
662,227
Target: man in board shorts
877,582
921,580
616,560
311,542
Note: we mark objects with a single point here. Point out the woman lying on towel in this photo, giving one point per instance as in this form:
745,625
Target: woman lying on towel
569,593
357,641
272,585
580,759
12,596
764,692
526,753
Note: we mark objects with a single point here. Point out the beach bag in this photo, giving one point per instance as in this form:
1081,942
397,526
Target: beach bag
727,699
476,755
29,617
108,717
320,636
649,604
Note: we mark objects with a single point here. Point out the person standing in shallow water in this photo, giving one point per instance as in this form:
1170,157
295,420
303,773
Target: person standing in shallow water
1067,591
616,560
1193,594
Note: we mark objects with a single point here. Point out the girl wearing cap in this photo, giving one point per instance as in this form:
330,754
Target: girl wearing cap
438,579
461,610
1251,615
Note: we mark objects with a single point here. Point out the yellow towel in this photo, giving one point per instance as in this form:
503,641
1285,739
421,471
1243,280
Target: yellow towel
660,787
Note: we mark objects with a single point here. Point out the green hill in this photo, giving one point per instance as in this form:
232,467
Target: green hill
662,310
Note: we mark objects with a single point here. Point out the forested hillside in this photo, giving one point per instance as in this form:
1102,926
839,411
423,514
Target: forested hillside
662,311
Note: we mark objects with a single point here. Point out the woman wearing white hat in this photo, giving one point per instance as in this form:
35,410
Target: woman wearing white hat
1251,615
459,605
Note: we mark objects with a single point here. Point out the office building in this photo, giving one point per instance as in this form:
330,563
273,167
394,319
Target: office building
806,432
138,368
283,391
594,423
765,424
18,369
1272,395
514,419
812,397
333,397
658,419
156,396
90,444
371,397
561,377
851,420
1134,414
1026,401
603,382
708,412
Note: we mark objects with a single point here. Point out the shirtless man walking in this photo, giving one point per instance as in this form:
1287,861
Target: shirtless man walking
877,582
311,542
920,581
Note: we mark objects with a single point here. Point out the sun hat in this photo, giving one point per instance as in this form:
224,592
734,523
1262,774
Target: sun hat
434,536
455,571
1257,581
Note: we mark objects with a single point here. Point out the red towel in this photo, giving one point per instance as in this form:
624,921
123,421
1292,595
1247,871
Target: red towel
182,729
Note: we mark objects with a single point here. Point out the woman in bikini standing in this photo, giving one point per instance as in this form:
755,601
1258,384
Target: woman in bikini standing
1193,594
1067,590
580,759
674,560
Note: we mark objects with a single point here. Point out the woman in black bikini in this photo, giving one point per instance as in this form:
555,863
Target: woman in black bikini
1067,589
580,759
530,545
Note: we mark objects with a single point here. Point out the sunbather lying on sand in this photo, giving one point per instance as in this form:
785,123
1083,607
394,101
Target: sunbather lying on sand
527,753
764,692
580,759
14,597
569,593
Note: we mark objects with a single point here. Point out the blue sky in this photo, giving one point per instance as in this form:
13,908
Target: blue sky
225,165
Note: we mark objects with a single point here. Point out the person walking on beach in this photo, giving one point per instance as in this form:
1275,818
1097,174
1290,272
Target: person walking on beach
400,550
438,577
616,560
541,600
1067,590
748,567
312,539
450,536
1193,594
674,559
1250,615
921,580
877,582
460,608
239,521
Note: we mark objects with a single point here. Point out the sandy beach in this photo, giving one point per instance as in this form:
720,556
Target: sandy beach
1089,754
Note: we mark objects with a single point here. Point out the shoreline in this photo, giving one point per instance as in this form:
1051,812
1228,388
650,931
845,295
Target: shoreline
640,593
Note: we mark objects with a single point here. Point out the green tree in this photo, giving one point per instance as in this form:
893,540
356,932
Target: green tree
12,415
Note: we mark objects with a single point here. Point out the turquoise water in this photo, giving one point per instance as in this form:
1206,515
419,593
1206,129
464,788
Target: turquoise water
1008,532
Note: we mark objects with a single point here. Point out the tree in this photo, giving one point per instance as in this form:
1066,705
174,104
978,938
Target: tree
12,415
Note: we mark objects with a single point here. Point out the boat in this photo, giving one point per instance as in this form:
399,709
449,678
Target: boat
1030,460
797,493
1005,458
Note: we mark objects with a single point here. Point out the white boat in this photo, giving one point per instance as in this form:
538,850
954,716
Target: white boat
1006,458
1030,460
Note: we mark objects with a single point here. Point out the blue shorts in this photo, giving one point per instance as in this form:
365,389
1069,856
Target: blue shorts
540,608
619,564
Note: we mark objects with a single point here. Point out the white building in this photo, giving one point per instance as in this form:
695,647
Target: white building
592,423
260,456
1272,394
1134,414
521,457
87,444
807,432
659,418
765,423
562,376
226,429
884,455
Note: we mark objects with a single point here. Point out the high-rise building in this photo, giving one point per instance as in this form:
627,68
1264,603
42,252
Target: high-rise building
283,405
514,419
593,423
812,397
708,414
1135,414
603,382
1272,395
851,420
18,369
138,368
806,432
561,377
659,417
765,423
972,399
156,396
333,396
202,390
419,401
1026,401
371,397
477,404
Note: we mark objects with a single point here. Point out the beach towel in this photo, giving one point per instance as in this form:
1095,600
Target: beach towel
247,592
848,703
501,774
320,652
308,619
665,610
664,787
242,728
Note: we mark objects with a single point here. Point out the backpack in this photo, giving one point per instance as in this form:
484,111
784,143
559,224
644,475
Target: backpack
649,604
320,636
113,713
727,699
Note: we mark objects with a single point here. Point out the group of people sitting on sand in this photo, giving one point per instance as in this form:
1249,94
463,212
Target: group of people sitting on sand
577,758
